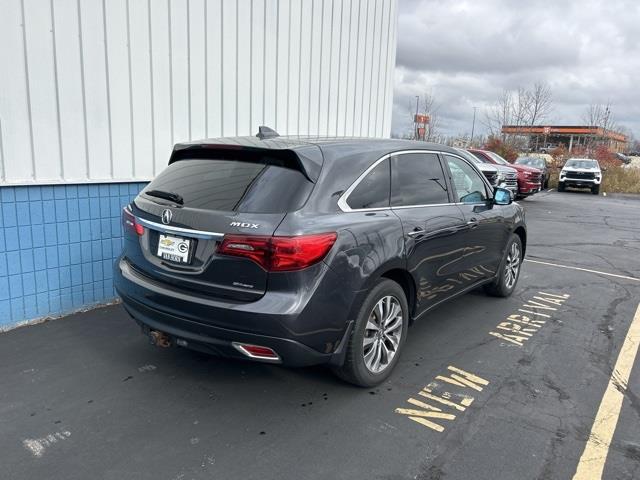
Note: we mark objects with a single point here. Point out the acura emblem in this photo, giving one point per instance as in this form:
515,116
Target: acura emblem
166,216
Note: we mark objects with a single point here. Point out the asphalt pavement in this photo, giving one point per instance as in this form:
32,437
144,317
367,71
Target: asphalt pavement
486,388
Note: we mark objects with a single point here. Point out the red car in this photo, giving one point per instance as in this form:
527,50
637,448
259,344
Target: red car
529,178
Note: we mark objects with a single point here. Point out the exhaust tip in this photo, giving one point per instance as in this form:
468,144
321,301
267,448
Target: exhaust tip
159,339
257,352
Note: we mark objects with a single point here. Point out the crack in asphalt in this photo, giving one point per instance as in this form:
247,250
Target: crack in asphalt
552,457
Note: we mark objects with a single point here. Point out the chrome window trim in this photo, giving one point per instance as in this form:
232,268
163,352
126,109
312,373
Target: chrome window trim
184,231
342,201
448,204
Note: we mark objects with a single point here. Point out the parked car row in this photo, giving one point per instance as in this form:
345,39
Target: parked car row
498,175
529,179
576,172
531,172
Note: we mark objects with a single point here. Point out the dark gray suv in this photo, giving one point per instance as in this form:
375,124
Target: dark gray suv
307,251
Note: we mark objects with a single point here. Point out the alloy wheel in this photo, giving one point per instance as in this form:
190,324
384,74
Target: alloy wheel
382,334
512,266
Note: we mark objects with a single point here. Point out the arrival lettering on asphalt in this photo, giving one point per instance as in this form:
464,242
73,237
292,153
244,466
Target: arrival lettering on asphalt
518,328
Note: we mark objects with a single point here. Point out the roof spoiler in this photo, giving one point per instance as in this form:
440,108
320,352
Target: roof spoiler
307,158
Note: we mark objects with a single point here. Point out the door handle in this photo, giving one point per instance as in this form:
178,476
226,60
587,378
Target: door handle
416,232
473,223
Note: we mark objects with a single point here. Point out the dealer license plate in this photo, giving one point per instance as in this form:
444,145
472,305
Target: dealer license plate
175,249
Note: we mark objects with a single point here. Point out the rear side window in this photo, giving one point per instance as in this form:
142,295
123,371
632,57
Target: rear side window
417,179
235,185
373,190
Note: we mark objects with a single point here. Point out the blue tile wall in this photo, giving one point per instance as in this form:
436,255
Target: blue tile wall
57,247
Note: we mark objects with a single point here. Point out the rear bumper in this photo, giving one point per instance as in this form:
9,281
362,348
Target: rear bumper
218,341
289,326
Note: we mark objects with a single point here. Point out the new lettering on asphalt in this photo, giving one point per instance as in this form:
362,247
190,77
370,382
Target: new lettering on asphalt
442,402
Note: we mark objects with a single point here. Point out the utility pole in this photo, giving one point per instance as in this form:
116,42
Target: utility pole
415,123
606,123
473,126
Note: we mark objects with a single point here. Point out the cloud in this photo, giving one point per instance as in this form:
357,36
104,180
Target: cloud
466,52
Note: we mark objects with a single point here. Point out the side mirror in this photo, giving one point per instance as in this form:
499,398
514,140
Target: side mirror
502,196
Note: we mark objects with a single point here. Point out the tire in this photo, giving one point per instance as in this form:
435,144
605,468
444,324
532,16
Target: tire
509,270
545,184
595,189
360,367
561,186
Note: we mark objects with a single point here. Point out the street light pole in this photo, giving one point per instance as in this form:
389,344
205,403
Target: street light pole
473,125
415,119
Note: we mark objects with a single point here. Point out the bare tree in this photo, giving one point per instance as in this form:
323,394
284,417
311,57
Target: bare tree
540,103
520,106
631,140
499,114
600,115
593,115
428,106
431,108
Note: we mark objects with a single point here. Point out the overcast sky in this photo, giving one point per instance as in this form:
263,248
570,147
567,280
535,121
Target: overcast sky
466,52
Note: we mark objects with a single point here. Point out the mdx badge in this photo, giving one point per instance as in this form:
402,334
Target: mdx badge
244,225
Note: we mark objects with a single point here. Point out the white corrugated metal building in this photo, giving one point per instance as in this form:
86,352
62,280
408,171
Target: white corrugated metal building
98,91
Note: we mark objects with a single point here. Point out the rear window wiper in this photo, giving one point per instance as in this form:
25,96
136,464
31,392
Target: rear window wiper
174,197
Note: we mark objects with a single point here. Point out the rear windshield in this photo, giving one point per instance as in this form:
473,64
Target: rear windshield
234,185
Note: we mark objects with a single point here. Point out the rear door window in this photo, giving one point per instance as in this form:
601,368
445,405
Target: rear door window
235,185
373,190
417,179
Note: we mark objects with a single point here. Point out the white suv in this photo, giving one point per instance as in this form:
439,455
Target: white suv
580,173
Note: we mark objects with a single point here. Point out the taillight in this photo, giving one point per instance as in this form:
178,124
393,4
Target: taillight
129,223
296,253
278,254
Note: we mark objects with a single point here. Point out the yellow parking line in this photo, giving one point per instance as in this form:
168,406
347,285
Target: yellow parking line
592,461
570,267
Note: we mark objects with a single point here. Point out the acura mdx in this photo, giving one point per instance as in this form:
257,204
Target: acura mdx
302,251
